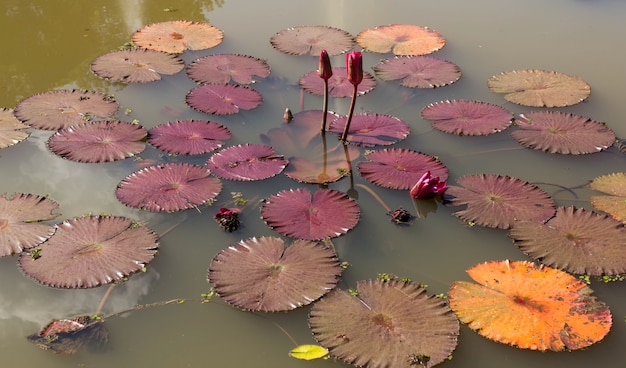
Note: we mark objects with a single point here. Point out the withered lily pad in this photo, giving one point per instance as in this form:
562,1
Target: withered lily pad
136,66
168,187
68,336
90,251
11,129
246,162
301,214
418,71
499,201
400,168
575,240
540,88
178,36
338,84
102,141
222,68
188,137
264,274
387,324
401,39
60,109
615,202
312,40
530,307
464,117
223,99
557,132
20,217
372,129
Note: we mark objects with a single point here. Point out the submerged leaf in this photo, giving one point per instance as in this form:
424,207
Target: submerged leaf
308,352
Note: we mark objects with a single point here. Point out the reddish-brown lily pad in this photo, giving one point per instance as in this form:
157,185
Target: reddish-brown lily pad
136,65
386,324
222,68
68,336
338,84
464,117
20,217
264,274
575,240
60,109
372,129
301,214
400,168
223,99
11,129
615,202
557,132
246,162
178,36
312,40
168,187
102,141
90,251
188,137
418,71
499,201
540,88
401,39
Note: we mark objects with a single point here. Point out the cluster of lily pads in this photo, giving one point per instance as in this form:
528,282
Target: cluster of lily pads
408,326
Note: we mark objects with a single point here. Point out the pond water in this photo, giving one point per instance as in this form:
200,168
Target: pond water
50,44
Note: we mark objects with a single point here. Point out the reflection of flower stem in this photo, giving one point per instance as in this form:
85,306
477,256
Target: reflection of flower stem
376,197
352,193
349,119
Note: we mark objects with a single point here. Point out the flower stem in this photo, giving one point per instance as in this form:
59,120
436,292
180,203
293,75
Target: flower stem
325,105
349,119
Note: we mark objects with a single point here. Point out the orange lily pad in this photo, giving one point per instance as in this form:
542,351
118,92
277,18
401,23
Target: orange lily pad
178,36
615,203
401,39
530,306
11,129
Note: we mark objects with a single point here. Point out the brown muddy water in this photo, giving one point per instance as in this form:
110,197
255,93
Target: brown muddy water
49,44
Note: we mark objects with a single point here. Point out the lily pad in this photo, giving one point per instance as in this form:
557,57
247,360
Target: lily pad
136,65
418,71
89,251
557,132
540,88
312,40
223,99
464,117
387,324
102,141
575,240
499,201
222,68
11,129
68,336
338,84
298,213
401,39
372,129
60,109
530,307
246,162
264,274
615,203
188,137
168,187
177,36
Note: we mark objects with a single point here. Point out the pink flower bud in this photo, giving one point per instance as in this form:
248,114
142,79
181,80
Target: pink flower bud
428,187
324,69
354,64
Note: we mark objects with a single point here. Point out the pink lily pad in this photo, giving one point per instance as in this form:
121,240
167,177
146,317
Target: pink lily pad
102,141
188,137
136,66
300,214
168,187
60,109
338,84
312,40
263,274
223,99
222,68
90,251
400,168
557,132
11,129
464,117
372,129
418,71
246,162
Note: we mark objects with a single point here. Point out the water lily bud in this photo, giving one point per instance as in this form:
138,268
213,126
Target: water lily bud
428,187
287,116
354,64
325,70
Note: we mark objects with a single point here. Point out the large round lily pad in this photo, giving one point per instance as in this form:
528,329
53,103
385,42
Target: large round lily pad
177,36
136,66
11,129
401,39
302,40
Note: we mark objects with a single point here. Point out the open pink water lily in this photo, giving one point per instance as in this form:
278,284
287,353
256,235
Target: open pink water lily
428,187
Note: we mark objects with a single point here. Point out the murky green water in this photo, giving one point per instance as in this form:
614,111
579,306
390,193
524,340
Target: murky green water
50,44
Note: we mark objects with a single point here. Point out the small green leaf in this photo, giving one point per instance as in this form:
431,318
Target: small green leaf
308,352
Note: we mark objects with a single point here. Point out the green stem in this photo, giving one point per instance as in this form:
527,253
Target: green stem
349,119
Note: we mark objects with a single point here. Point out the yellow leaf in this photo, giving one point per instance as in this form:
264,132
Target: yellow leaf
308,352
